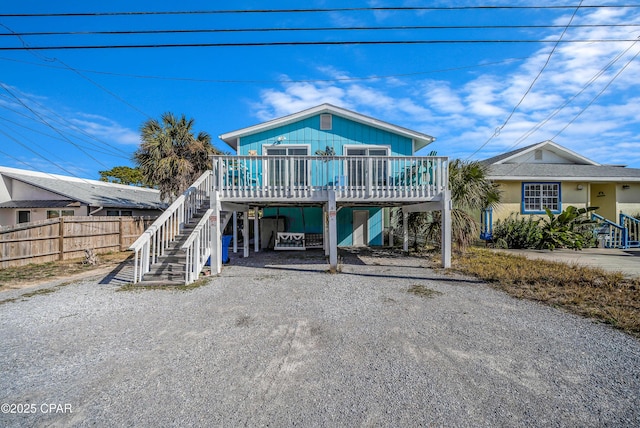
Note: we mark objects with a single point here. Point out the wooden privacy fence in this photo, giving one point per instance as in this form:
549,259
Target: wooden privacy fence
66,238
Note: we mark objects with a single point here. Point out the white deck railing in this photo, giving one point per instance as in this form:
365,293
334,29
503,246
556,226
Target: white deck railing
157,238
309,177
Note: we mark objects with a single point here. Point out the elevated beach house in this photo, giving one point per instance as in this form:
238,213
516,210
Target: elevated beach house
322,177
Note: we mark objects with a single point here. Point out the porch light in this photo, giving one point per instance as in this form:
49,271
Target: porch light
579,187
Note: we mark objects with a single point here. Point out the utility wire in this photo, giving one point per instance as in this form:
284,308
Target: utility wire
343,79
513,111
589,83
68,67
309,10
44,121
597,96
308,43
310,29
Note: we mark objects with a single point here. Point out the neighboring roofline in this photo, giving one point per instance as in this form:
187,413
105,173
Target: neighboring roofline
533,147
558,178
232,138
23,175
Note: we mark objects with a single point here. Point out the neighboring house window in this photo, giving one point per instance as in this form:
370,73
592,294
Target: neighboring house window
326,122
285,169
58,213
24,216
359,170
538,196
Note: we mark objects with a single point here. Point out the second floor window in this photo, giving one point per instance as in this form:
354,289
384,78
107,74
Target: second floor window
285,169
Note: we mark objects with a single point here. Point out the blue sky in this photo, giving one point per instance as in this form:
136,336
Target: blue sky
79,111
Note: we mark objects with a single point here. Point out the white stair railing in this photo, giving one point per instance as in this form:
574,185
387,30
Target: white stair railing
153,243
197,248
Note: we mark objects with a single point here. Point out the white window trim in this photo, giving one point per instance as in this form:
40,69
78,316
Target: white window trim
346,147
265,162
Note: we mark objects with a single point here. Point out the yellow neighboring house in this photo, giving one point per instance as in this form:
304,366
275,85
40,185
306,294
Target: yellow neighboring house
549,175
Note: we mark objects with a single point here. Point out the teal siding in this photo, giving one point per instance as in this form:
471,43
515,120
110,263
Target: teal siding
344,132
299,220
345,226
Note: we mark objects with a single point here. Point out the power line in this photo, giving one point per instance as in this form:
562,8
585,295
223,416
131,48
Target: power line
6,88
310,29
307,43
546,63
309,10
343,79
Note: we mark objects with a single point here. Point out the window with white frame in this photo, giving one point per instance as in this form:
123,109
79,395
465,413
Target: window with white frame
538,196
288,167
360,170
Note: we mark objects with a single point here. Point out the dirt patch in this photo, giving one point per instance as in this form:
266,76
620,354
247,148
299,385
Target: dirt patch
67,270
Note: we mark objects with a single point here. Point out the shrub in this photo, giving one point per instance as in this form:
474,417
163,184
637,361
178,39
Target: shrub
567,229
517,232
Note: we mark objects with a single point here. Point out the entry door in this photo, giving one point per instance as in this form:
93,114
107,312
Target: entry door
360,228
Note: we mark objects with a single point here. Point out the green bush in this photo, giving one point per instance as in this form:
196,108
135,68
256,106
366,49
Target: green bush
517,232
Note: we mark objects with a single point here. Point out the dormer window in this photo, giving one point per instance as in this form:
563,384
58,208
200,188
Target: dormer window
325,122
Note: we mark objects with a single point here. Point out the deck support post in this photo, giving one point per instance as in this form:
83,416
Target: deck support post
245,235
445,227
325,229
256,230
333,232
405,231
235,232
216,239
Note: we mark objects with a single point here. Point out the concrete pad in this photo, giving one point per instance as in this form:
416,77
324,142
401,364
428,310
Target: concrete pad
625,261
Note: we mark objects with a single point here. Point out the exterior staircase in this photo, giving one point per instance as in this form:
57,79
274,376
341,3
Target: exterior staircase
623,235
170,267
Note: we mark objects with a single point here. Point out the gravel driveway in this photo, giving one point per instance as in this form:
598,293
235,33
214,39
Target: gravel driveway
277,341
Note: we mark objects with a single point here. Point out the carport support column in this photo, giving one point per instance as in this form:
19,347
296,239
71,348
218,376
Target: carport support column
445,227
245,235
333,232
235,232
216,239
256,230
405,231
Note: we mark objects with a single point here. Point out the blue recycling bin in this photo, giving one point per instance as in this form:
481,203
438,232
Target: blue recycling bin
226,241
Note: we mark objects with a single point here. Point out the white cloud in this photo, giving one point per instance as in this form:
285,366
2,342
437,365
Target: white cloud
106,129
464,115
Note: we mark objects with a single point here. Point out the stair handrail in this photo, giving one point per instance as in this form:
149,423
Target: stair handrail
632,225
617,233
156,239
197,248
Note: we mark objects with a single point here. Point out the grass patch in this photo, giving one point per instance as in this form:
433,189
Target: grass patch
422,291
592,292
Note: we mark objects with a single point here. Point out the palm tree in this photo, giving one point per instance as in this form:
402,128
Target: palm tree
471,192
170,157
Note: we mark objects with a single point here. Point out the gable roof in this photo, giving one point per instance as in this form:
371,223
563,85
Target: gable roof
420,140
89,192
548,145
509,166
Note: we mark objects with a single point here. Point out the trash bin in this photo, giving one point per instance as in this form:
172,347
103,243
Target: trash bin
226,241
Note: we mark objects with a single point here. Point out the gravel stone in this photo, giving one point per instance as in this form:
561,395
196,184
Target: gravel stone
276,340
